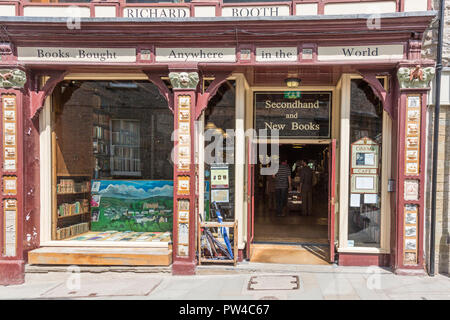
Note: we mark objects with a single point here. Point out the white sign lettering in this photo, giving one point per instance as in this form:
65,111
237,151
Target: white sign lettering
278,54
384,52
156,12
256,11
76,54
196,54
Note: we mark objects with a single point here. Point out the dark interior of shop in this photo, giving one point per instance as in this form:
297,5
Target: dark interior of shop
296,226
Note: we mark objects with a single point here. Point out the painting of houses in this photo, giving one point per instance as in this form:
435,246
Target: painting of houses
132,205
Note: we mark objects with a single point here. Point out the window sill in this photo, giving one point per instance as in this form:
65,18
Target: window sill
117,244
364,250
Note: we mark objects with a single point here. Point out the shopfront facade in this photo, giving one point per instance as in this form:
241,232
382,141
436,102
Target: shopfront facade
107,119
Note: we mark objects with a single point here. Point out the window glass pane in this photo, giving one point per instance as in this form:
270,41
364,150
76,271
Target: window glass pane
366,123
219,161
112,151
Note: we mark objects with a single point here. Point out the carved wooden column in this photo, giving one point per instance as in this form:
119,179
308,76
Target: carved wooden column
184,197
411,139
12,81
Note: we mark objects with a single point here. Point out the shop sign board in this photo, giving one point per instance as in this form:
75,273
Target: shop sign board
195,54
156,12
89,55
276,54
256,11
369,52
307,116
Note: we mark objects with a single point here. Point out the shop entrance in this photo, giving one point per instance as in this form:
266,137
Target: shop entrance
293,225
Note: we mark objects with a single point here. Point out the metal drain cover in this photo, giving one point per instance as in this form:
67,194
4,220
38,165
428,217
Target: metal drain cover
283,282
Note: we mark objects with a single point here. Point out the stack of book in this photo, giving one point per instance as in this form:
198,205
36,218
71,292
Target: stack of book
71,231
70,186
68,209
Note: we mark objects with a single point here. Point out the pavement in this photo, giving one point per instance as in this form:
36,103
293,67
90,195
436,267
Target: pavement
247,281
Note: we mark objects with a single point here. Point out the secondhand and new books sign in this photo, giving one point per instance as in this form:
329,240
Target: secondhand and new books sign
306,115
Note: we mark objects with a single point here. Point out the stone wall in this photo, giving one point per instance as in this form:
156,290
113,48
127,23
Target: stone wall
442,243
431,36
442,256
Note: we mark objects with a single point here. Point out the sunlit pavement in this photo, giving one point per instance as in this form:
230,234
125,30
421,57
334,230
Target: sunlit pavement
248,281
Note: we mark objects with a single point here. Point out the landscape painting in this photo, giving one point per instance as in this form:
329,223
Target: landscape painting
132,205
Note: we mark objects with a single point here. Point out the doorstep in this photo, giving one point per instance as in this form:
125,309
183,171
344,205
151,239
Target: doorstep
101,256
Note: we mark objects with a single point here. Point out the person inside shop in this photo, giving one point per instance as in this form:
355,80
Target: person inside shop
305,187
270,192
282,186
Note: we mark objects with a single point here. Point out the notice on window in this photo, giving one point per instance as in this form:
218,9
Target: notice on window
365,183
220,195
355,200
219,177
370,198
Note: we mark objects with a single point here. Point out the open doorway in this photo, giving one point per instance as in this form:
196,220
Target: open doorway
301,223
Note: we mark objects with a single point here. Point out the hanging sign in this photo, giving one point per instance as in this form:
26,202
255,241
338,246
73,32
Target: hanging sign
305,117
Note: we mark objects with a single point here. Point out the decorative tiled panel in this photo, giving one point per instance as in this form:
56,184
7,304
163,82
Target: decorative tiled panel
412,135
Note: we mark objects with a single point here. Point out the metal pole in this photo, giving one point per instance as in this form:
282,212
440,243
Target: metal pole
437,106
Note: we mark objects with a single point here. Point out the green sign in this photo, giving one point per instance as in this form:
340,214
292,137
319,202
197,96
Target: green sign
292,94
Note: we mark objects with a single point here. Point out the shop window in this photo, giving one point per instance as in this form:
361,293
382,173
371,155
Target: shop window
112,171
366,123
220,124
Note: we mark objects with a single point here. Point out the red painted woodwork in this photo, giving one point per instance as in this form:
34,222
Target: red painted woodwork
331,196
204,97
360,259
38,95
378,89
239,33
185,265
162,88
401,177
12,268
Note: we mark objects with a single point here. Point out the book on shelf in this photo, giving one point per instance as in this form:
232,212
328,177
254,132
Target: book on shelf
70,186
70,209
67,232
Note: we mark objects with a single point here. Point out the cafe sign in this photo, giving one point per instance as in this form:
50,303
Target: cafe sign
307,116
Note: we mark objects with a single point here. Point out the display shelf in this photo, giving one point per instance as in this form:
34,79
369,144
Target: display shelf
74,197
73,215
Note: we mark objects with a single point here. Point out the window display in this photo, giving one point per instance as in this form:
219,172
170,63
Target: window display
366,123
112,173
219,160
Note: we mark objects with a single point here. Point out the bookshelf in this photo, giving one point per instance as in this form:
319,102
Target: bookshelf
101,145
125,147
71,206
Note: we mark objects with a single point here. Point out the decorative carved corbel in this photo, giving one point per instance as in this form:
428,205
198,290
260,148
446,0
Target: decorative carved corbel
203,98
162,88
184,80
415,77
384,96
38,95
12,78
